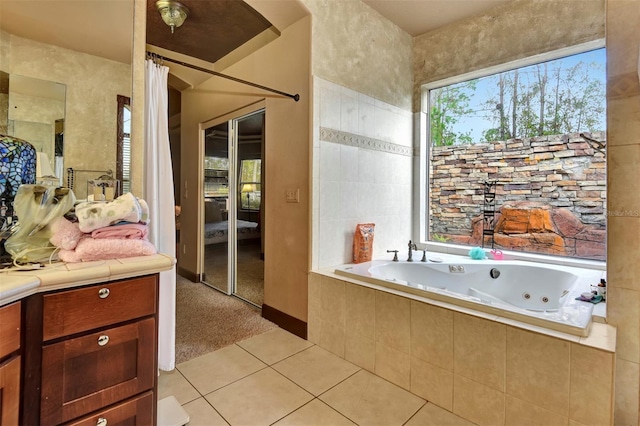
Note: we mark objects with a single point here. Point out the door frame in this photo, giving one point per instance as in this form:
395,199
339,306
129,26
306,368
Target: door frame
232,240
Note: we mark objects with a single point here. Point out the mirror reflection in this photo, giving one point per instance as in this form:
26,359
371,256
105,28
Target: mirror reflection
36,114
91,65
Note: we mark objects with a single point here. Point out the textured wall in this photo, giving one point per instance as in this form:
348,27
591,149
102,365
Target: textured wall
287,159
517,30
92,86
623,192
355,47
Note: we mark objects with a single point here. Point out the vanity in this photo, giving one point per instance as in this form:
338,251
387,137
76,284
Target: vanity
78,343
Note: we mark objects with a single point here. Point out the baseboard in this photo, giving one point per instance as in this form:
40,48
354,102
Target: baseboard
285,321
189,275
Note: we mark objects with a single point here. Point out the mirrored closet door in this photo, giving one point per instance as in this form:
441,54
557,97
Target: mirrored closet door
233,200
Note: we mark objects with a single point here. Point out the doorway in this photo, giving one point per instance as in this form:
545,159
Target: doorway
233,200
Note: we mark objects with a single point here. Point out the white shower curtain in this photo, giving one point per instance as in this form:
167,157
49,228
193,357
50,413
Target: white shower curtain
159,195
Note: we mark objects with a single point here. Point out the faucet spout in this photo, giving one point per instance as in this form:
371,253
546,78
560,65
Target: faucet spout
412,247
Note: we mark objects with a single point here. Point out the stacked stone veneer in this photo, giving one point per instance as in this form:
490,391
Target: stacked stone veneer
550,193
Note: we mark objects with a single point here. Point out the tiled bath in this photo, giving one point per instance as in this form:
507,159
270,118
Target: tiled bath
483,368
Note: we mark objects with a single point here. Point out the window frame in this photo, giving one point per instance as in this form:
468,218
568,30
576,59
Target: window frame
422,183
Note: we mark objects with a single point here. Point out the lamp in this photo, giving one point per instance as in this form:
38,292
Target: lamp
173,13
44,172
247,188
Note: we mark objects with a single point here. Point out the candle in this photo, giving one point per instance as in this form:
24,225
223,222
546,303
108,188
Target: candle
109,193
97,194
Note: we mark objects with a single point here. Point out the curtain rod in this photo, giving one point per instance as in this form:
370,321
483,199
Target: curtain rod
295,97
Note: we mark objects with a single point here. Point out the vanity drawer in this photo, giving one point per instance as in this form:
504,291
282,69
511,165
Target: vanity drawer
74,311
9,329
137,411
84,374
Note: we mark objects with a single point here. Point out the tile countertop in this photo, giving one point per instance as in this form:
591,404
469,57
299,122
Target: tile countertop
16,283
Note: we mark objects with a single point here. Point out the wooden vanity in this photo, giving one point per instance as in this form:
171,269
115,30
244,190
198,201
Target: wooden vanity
83,354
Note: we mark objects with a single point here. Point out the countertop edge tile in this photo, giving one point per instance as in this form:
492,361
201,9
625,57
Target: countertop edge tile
15,286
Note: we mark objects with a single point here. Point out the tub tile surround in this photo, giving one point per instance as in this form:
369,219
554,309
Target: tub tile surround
469,363
362,172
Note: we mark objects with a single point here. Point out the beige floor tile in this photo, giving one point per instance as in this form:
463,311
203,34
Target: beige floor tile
316,369
219,368
274,345
201,413
315,413
369,400
432,415
259,399
174,383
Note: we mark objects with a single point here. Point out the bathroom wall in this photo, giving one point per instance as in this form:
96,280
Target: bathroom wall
362,130
92,85
287,160
355,47
362,173
623,197
516,30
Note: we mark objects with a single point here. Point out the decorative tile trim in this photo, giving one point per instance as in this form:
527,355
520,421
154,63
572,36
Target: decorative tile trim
359,141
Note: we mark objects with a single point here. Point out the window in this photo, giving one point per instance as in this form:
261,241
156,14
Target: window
517,159
250,184
123,158
216,177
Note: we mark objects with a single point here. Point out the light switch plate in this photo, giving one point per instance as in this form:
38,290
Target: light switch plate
293,195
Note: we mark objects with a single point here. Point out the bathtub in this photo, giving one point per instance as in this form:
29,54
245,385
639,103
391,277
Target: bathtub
542,295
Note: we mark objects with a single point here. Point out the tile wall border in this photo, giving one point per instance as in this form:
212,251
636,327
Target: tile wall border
359,141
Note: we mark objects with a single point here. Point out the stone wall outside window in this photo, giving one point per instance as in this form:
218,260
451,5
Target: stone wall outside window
550,194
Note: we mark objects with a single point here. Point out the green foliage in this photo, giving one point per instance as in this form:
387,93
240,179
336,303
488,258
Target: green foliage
543,99
439,238
447,104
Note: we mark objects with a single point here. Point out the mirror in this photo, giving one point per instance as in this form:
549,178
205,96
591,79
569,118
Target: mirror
76,48
36,114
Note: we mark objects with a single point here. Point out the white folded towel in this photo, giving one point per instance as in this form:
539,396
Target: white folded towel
94,215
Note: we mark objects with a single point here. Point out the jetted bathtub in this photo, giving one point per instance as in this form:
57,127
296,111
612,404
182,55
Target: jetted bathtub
538,294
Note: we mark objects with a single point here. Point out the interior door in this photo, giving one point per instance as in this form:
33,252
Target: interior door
249,282
218,251
232,255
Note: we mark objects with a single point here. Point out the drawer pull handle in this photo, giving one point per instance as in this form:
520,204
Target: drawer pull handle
101,422
103,293
103,340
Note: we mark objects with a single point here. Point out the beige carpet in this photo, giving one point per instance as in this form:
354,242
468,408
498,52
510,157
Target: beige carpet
250,269
207,320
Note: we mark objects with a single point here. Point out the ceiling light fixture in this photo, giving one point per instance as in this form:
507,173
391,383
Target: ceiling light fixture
173,13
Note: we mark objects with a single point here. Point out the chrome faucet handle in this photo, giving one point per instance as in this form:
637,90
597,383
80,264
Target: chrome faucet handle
424,256
395,254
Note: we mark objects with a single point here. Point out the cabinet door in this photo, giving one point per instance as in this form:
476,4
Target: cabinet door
87,373
9,329
10,391
137,411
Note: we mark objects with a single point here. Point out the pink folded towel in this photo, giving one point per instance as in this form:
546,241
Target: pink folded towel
66,234
127,231
89,249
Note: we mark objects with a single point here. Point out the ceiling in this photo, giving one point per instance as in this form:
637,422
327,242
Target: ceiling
417,17
213,28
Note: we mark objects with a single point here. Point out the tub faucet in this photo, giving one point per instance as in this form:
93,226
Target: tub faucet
412,246
395,254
